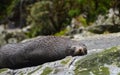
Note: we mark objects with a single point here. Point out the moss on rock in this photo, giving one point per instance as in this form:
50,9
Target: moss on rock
2,70
46,71
99,63
34,70
65,61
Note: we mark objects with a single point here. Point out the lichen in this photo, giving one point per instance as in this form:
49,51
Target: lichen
21,73
64,62
4,69
62,32
56,71
34,70
119,73
96,62
46,71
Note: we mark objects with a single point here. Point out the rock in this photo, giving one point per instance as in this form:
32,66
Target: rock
100,29
105,63
2,35
108,23
11,35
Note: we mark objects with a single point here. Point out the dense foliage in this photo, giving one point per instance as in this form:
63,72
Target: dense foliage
4,4
50,16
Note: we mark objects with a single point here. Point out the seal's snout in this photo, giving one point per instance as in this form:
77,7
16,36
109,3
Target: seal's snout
83,51
80,51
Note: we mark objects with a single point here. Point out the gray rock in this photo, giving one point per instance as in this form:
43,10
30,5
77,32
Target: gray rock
106,23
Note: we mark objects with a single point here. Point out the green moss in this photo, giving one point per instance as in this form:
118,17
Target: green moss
82,20
46,71
95,63
101,71
21,73
64,62
56,71
34,70
119,73
2,70
62,32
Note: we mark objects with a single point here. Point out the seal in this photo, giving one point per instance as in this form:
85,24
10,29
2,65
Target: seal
38,51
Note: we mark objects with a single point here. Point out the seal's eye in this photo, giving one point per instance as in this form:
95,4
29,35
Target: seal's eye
73,48
72,51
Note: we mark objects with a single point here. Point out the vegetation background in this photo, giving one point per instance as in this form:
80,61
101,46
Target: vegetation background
51,17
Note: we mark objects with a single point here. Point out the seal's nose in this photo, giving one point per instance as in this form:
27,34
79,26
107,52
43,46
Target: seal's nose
80,51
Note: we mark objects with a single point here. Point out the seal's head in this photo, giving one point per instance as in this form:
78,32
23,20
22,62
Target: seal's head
78,49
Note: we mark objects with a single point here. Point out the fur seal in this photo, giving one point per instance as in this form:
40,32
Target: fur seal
38,51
